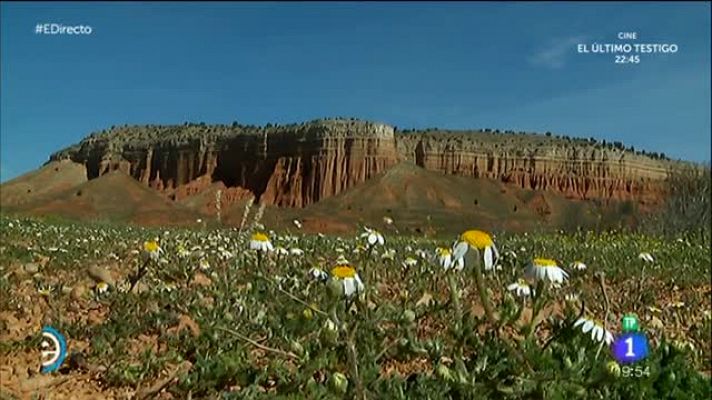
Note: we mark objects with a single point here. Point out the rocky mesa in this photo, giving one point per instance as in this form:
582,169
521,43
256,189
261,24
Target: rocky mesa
299,164
289,166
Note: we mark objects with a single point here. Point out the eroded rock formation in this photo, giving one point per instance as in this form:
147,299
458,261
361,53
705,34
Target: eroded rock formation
540,163
289,166
296,165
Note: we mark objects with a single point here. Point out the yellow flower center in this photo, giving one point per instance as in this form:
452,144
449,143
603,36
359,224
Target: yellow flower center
260,237
443,252
343,272
544,262
151,246
522,283
477,239
102,285
596,322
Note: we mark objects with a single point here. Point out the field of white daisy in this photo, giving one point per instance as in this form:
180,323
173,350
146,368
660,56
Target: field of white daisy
252,313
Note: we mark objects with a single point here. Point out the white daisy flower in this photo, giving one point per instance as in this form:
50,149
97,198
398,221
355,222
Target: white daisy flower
578,265
598,332
359,249
318,275
410,262
422,254
260,242
654,309
223,253
152,249
45,290
479,240
297,224
389,254
204,264
677,304
102,287
373,237
167,286
281,251
348,279
297,252
280,280
387,220
545,269
445,260
647,257
238,306
571,297
520,288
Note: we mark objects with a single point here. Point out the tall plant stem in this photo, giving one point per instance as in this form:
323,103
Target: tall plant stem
484,296
353,363
538,306
455,298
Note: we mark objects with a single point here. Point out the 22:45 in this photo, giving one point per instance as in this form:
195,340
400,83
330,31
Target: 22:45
632,59
635,372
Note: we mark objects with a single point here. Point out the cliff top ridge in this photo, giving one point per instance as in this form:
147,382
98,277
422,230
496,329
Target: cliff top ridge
200,135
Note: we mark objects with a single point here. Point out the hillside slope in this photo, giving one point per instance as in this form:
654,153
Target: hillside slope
422,201
51,179
112,197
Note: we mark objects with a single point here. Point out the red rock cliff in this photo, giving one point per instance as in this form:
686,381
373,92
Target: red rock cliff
289,166
540,163
299,164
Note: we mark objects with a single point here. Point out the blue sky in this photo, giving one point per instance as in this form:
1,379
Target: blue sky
413,65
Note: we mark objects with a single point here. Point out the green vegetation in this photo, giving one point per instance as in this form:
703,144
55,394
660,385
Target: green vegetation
241,324
687,207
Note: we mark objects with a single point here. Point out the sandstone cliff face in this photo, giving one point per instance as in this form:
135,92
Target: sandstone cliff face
300,164
580,172
290,166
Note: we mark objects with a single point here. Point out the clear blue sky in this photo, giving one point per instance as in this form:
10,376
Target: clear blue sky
459,65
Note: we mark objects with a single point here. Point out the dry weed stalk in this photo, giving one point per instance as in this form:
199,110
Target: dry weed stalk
246,213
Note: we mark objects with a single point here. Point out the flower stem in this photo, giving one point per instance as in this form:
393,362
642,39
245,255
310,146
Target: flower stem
538,306
353,362
484,296
287,354
455,298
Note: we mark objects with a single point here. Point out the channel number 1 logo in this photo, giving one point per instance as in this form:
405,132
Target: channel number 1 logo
632,345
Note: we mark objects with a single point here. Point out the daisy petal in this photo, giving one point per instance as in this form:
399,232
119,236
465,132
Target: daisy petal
460,250
589,325
489,263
